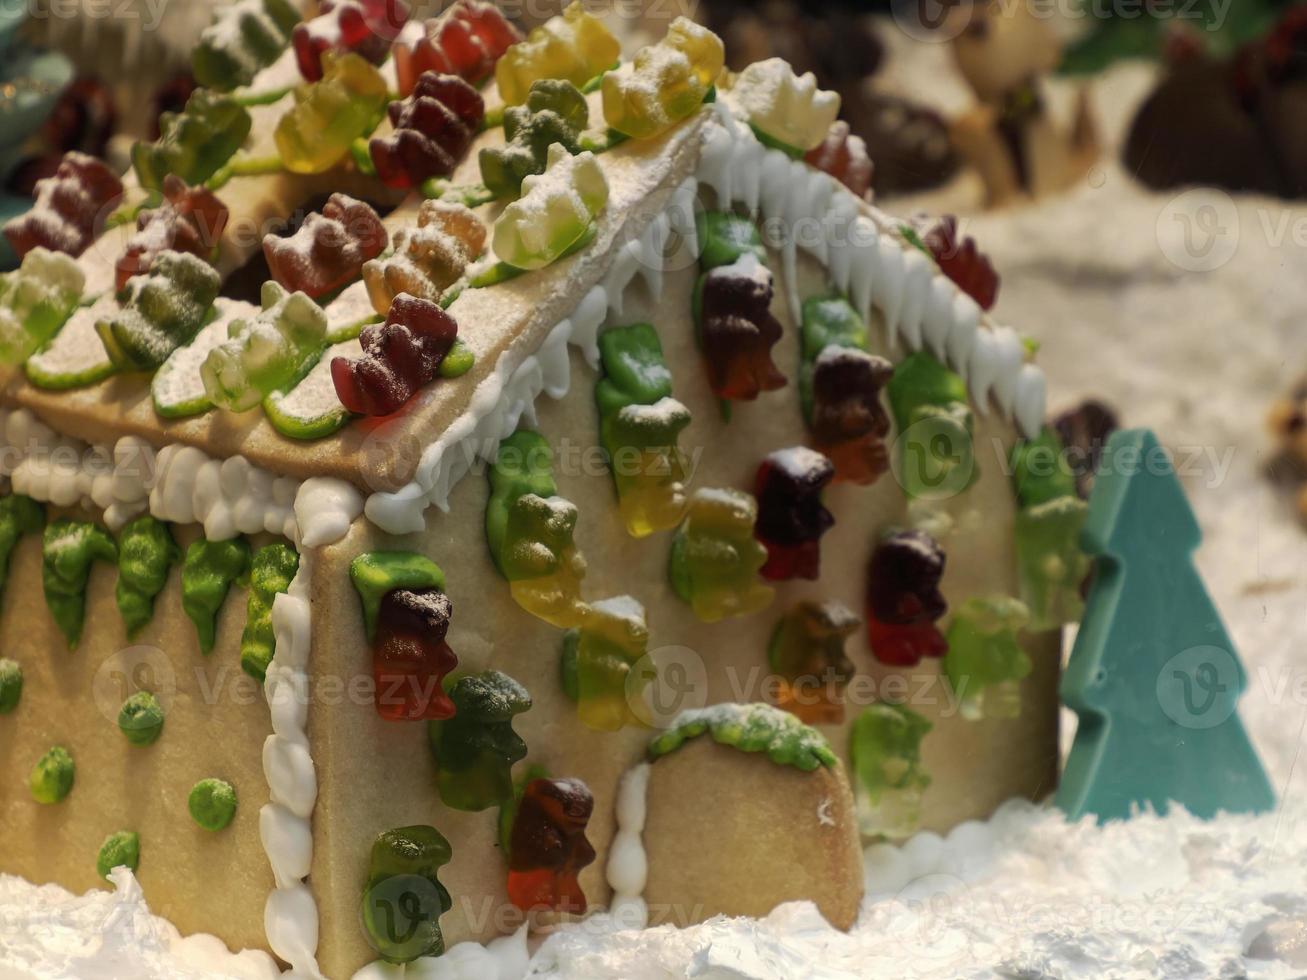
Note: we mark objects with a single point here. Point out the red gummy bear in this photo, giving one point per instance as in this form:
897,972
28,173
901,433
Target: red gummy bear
791,519
434,127
548,847
366,27
960,260
904,601
190,219
849,424
737,330
844,157
329,249
68,207
466,40
400,356
410,657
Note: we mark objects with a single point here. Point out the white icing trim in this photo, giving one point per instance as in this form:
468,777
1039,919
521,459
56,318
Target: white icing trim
505,958
628,864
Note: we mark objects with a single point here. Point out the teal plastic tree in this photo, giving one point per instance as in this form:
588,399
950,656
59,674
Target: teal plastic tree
1153,676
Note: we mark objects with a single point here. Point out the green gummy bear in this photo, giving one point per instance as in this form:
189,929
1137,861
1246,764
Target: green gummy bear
161,311
68,549
193,143
374,573
725,237
750,728
934,422
404,899
1051,564
208,572
1040,470
243,39
523,465
715,557
888,778
141,718
604,666
19,515
984,660
119,850
35,300
271,571
555,111
476,749
146,551
11,685
828,321
52,776
212,803
266,354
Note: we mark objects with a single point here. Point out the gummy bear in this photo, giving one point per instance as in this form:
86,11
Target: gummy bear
936,454
844,157
315,134
639,423
272,570
244,38
193,143
364,27
667,82
555,112
68,549
791,518
190,220
208,571
606,665
903,599
1084,430
888,778
329,249
985,664
556,210
732,308
465,40
428,257
726,237
475,750
529,529
548,847
574,46
434,127
839,389
715,559
400,357
404,899
960,260
786,111
146,552
807,653
69,207
35,300
161,311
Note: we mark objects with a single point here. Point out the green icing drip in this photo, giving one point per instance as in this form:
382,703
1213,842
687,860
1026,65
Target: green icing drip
141,718
146,551
271,572
375,573
212,803
19,515
69,549
828,321
724,237
750,728
52,776
11,685
122,849
207,575
524,465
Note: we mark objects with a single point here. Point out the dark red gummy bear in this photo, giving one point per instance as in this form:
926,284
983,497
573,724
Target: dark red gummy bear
400,357
791,518
329,249
190,219
849,423
366,27
68,207
410,657
466,40
903,599
962,261
548,847
737,333
844,157
434,127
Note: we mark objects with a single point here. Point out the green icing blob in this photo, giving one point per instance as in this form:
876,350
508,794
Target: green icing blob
724,237
11,685
458,361
207,575
141,718
375,573
69,549
19,515
52,776
271,572
122,849
146,551
212,803
523,465
750,728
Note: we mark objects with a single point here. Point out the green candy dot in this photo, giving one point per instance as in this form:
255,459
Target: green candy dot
11,685
52,776
122,849
141,718
212,803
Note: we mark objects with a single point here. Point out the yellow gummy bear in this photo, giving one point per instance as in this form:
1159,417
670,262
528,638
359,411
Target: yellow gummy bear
556,597
789,109
315,134
611,669
666,84
716,558
555,210
574,46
